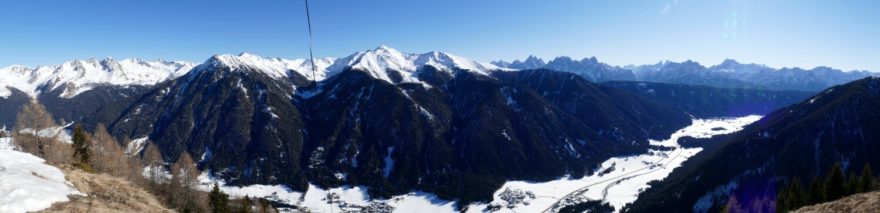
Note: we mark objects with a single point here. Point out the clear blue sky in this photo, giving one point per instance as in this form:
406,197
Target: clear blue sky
839,33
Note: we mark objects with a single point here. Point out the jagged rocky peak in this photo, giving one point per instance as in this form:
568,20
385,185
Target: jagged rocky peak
501,63
729,62
531,62
562,59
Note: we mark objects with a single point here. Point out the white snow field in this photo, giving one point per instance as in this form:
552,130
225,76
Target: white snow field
334,199
27,184
618,181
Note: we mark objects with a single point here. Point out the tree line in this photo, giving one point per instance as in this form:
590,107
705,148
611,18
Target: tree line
833,186
176,185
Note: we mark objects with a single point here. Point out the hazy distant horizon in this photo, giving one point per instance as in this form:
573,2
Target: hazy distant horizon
705,64
783,33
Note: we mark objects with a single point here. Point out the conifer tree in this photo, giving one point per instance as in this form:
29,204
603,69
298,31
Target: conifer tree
791,197
834,184
246,205
81,148
782,199
866,182
797,196
852,183
815,195
219,201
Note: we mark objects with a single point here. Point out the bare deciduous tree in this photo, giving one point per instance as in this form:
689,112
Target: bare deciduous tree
32,135
154,163
108,155
182,187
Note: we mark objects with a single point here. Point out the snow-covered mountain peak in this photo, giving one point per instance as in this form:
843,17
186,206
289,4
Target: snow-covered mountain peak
384,62
78,76
446,61
381,59
273,67
249,62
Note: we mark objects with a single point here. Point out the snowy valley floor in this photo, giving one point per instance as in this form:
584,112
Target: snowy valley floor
618,182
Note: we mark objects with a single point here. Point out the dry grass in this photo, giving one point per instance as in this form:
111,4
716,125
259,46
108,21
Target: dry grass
106,193
858,203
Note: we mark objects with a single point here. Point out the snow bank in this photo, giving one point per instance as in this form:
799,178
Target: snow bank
27,184
278,193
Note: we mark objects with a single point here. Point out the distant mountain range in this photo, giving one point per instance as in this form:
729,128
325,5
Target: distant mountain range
728,74
394,122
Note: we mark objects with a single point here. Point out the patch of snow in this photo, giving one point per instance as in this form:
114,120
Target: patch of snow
426,113
135,146
340,176
278,193
6,144
271,112
504,133
27,184
389,162
242,88
206,155
59,132
812,100
163,174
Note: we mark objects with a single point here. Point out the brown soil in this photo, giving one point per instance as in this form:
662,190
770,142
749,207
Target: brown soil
105,193
858,203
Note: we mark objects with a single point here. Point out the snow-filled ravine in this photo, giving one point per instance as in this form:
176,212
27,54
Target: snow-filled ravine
28,184
618,182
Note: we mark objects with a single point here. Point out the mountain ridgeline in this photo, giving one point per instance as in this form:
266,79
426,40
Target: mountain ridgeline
728,74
